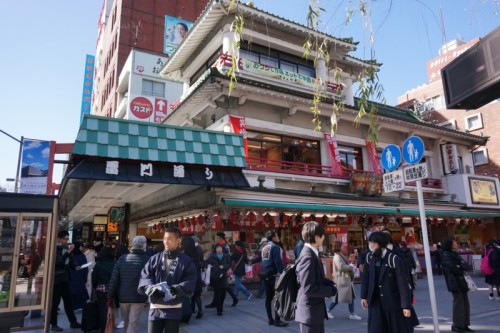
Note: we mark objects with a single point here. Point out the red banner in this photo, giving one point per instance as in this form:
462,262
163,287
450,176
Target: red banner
239,126
374,160
334,155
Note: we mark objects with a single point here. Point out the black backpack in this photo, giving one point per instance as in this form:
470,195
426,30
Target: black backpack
286,291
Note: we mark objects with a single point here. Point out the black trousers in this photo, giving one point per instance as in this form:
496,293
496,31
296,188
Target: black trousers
269,282
219,297
61,291
461,309
164,326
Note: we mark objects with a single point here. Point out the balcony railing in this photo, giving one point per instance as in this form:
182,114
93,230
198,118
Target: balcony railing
297,168
429,183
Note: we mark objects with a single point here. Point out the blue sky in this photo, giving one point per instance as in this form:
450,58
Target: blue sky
44,44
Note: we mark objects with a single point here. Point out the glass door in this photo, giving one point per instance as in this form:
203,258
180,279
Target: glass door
8,224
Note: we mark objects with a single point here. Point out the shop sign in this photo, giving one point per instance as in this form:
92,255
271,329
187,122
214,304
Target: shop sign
450,158
483,191
393,181
116,215
336,229
366,184
415,172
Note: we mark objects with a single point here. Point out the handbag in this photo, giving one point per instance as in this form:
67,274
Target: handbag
110,321
470,283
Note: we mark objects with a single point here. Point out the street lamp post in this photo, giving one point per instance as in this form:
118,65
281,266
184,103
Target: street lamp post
16,183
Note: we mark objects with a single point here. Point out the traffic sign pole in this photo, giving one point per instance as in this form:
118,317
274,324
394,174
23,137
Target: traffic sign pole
427,253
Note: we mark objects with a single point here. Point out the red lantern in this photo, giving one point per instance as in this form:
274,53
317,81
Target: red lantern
435,221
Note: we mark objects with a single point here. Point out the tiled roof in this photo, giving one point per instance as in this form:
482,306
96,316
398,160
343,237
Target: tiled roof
135,140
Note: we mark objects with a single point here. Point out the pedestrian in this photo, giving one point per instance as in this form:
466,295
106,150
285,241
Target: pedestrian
60,288
493,280
314,287
258,259
272,266
220,262
78,278
343,276
385,289
124,281
90,255
189,248
240,259
120,250
97,245
101,275
453,268
167,278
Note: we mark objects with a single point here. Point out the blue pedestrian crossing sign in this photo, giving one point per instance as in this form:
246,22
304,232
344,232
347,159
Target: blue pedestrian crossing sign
391,157
413,150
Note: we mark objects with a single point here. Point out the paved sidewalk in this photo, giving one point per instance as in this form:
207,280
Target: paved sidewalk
250,316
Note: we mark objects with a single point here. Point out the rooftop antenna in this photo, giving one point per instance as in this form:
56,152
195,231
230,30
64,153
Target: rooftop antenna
442,26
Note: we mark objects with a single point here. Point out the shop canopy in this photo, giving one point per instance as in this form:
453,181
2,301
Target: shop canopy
116,161
301,206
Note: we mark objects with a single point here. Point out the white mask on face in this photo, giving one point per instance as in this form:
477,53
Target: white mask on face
372,246
390,246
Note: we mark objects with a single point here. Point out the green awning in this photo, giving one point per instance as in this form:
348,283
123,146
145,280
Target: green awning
353,209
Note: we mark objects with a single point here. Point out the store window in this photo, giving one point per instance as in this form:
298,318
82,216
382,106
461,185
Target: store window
351,157
266,147
153,88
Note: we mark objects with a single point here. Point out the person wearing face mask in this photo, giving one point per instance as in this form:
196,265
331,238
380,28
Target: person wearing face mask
385,289
167,278
220,262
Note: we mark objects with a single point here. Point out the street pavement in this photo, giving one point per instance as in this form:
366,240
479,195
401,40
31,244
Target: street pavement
250,316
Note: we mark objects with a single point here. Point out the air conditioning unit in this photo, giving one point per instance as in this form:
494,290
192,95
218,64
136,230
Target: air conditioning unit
473,79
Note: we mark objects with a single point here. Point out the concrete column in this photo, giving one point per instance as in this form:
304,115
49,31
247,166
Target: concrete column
321,72
348,91
132,231
227,42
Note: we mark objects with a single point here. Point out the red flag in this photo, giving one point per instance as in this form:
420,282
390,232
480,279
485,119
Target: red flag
374,160
239,126
334,155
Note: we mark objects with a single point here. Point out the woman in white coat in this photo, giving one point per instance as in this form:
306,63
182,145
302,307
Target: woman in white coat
343,276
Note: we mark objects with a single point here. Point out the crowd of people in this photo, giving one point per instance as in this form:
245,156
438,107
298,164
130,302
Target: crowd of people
171,279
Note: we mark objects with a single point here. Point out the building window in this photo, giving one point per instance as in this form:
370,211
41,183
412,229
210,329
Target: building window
153,88
273,148
474,122
351,157
480,156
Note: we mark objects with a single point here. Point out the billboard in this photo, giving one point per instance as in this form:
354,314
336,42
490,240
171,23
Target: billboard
35,166
483,191
176,30
88,82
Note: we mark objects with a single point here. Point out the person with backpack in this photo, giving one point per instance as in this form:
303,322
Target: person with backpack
385,289
272,265
314,287
453,268
491,259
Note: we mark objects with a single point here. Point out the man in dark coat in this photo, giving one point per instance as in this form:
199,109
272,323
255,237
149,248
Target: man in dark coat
240,259
124,282
272,266
167,278
314,287
60,289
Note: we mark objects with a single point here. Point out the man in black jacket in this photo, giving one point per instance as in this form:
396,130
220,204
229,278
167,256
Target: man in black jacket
124,282
61,282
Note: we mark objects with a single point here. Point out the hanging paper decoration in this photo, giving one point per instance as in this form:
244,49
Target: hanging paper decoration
298,219
282,219
276,220
350,219
414,221
336,221
399,220
385,220
268,219
435,221
312,217
324,219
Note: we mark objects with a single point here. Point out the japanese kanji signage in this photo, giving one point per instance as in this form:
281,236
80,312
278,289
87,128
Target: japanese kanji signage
415,172
393,181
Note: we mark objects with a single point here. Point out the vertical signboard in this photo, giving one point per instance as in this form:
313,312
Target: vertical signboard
450,158
88,81
176,30
35,166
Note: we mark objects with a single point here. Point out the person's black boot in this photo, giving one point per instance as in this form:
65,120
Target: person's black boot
199,315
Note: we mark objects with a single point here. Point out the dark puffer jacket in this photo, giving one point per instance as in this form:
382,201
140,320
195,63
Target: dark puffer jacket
453,268
125,277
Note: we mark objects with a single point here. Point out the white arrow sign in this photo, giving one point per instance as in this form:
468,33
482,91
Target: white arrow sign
160,104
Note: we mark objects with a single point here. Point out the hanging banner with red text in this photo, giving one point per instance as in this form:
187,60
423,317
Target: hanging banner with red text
239,126
374,160
334,155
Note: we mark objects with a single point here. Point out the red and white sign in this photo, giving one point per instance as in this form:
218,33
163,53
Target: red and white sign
334,155
141,107
161,107
239,126
450,158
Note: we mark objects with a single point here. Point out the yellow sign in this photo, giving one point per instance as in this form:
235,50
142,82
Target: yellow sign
483,191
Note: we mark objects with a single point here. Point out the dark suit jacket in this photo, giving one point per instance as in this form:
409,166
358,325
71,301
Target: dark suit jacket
314,287
394,289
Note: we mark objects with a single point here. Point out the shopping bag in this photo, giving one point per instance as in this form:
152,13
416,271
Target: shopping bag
470,283
110,321
248,271
206,278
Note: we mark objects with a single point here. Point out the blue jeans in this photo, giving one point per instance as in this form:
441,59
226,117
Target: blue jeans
333,304
238,286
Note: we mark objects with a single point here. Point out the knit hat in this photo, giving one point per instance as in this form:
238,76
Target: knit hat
263,240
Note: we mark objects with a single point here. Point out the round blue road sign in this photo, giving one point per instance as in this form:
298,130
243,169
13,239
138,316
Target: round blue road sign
391,157
413,150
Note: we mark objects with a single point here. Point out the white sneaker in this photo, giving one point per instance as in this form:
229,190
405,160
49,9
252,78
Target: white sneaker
121,324
354,317
491,298
249,297
330,316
